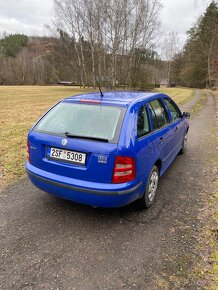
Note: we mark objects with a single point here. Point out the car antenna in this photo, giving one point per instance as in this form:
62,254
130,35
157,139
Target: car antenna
99,88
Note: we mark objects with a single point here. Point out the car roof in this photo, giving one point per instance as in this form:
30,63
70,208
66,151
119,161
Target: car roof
119,98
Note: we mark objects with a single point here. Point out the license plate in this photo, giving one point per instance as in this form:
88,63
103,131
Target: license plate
67,155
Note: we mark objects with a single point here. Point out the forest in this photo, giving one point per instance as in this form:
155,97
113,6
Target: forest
115,44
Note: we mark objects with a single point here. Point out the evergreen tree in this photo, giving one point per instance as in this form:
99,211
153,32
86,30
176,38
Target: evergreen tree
196,65
13,43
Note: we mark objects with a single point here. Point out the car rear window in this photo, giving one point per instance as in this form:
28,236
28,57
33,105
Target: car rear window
87,120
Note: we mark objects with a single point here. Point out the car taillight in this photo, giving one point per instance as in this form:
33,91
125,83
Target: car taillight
28,150
124,169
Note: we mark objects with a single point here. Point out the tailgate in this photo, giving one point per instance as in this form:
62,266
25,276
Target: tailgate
97,159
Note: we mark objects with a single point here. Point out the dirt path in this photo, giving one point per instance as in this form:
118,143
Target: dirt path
193,102
48,243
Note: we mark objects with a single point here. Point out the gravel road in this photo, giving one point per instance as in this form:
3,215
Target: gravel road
49,243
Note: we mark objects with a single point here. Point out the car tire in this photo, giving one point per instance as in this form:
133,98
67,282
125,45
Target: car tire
151,188
184,144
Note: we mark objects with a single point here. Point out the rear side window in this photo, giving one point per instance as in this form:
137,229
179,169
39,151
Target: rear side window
174,110
142,123
94,121
158,113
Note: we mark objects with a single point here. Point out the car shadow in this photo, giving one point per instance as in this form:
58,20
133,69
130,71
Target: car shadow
43,204
171,173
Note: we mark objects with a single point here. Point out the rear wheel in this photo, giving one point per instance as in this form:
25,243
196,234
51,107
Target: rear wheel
151,188
184,144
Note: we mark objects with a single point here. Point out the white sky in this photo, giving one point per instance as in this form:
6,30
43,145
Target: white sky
30,16
25,16
180,15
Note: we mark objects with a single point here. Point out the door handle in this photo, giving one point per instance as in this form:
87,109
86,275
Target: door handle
161,140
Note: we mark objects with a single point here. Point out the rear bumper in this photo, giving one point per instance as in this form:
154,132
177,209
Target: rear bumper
91,193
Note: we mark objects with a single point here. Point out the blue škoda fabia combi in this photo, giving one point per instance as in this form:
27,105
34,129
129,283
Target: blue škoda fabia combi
106,151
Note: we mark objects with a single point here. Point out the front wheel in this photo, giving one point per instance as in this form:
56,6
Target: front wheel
151,188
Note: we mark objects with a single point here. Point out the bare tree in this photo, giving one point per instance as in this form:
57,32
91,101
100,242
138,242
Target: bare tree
113,29
68,19
170,48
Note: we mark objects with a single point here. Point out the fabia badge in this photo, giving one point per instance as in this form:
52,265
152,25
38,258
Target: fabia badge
102,158
64,142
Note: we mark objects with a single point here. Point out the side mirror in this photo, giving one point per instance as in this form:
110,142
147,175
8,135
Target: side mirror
186,115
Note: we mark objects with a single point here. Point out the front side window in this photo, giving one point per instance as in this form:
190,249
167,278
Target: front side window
94,121
174,110
158,114
142,123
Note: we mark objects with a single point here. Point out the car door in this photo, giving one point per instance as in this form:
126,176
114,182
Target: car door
162,135
177,123
145,153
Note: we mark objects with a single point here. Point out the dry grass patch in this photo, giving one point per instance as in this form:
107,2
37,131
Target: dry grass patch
199,105
179,95
215,93
20,108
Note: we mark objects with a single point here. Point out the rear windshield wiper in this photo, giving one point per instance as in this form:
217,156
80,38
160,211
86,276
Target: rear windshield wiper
69,135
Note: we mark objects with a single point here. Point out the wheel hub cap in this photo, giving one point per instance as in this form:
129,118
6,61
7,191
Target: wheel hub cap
185,140
152,185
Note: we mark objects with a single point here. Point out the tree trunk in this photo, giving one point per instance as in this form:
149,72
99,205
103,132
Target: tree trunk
168,72
114,70
80,66
83,64
209,61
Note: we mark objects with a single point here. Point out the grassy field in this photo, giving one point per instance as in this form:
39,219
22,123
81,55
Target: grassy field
21,106
180,95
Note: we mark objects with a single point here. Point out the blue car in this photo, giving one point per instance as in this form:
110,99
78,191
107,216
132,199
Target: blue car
106,151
